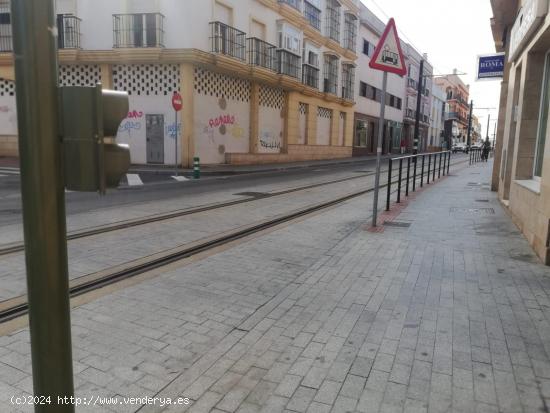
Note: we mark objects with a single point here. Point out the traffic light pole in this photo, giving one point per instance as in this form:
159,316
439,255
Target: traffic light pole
42,187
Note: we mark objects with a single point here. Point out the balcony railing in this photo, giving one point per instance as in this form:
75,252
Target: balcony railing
412,83
297,4
138,30
68,28
451,115
288,63
6,44
227,40
262,54
310,76
312,14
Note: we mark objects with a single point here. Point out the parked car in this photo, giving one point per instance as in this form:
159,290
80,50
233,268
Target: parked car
460,147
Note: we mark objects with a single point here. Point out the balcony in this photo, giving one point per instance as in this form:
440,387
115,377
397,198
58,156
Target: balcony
312,15
288,63
310,76
412,83
227,40
68,27
138,30
262,54
451,116
297,4
6,44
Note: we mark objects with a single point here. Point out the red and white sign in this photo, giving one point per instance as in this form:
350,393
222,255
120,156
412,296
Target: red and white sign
177,102
388,55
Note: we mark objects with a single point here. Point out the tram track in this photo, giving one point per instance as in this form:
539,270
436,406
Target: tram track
17,307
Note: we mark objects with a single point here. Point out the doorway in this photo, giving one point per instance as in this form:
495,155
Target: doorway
155,138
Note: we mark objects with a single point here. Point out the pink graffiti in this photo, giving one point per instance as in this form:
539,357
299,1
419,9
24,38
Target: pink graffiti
135,114
4,109
222,120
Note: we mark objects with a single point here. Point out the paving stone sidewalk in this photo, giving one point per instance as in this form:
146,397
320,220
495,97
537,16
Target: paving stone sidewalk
449,314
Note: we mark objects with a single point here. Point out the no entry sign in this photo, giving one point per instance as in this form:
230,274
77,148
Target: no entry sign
177,102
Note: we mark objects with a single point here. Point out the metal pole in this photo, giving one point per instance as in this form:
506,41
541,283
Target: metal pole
439,168
435,163
429,168
488,121
399,180
43,196
422,172
418,107
379,149
389,185
408,176
176,142
414,172
449,163
469,142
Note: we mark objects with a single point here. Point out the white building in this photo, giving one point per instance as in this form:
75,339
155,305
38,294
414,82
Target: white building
436,134
368,94
261,80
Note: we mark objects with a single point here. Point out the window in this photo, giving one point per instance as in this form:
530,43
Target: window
290,38
543,119
399,103
350,34
5,27
333,20
331,74
348,80
363,89
312,13
138,30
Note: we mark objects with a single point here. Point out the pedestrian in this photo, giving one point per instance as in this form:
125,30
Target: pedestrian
486,149
403,146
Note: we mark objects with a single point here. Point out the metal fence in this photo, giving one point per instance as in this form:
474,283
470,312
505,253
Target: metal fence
68,27
138,30
310,76
430,165
227,40
262,54
288,63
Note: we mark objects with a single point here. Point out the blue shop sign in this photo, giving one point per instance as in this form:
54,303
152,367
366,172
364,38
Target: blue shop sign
491,66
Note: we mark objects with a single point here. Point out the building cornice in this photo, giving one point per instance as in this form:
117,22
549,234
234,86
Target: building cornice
210,61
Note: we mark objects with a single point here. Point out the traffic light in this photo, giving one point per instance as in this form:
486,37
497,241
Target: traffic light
90,118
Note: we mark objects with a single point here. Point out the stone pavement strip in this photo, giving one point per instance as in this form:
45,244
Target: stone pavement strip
449,314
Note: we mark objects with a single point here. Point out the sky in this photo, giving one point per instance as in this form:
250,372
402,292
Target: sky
453,33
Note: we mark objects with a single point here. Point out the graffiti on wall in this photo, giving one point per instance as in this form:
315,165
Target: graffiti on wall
224,124
221,120
129,126
134,114
170,130
269,141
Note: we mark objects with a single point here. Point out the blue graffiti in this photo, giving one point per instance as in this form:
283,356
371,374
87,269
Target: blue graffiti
128,126
170,130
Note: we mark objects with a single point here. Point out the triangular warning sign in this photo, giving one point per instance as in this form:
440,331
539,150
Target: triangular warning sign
388,55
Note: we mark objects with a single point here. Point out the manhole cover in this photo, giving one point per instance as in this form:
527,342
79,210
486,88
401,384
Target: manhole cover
482,200
397,224
474,184
479,211
253,194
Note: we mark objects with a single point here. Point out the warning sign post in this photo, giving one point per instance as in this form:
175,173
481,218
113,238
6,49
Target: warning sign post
388,57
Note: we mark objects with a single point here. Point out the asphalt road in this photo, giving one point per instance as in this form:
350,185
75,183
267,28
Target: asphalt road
76,202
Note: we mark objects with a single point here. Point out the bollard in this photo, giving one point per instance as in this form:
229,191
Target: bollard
196,168
389,186
449,163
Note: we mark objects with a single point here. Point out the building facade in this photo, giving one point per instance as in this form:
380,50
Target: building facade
261,80
457,95
368,94
436,134
413,59
522,155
